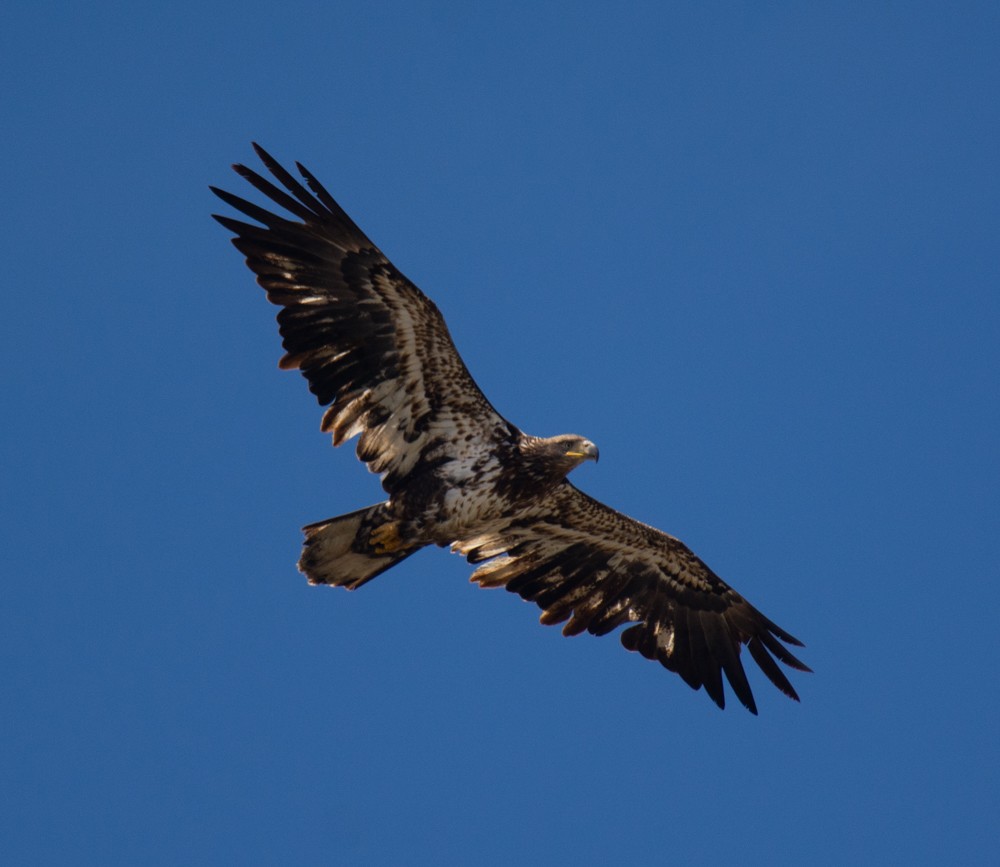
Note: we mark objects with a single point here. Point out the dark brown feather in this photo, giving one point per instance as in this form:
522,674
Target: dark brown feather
368,341
376,352
594,569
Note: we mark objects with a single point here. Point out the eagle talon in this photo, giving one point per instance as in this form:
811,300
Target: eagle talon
386,539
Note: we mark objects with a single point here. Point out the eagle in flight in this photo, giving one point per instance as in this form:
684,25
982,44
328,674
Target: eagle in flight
376,352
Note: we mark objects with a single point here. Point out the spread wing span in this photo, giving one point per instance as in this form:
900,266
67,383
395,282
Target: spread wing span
584,562
376,352
372,346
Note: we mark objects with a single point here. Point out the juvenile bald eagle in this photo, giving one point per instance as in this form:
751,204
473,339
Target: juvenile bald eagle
376,352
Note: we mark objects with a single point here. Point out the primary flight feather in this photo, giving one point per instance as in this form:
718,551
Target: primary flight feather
376,351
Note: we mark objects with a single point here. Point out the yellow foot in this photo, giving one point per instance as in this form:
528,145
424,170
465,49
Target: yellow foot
386,539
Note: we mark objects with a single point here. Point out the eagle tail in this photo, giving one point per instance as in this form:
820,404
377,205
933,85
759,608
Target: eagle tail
340,551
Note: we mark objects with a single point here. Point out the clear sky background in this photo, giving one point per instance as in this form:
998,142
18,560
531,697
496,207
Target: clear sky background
750,249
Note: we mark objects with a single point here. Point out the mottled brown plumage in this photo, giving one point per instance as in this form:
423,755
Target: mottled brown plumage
376,351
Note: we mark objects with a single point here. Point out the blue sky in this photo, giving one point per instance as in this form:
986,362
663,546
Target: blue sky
748,249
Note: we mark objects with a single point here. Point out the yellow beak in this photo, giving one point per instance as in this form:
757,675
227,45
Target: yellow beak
592,453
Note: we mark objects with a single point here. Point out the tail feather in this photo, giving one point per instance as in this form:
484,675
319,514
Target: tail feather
336,551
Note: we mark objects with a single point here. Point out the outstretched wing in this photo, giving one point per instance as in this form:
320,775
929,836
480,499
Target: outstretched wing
597,568
373,347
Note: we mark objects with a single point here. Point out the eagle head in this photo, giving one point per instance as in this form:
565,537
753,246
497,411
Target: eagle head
553,457
579,449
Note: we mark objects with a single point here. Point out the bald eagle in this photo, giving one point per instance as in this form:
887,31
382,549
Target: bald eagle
376,352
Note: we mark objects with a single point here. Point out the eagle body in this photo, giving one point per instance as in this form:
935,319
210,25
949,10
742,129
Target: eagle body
377,354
